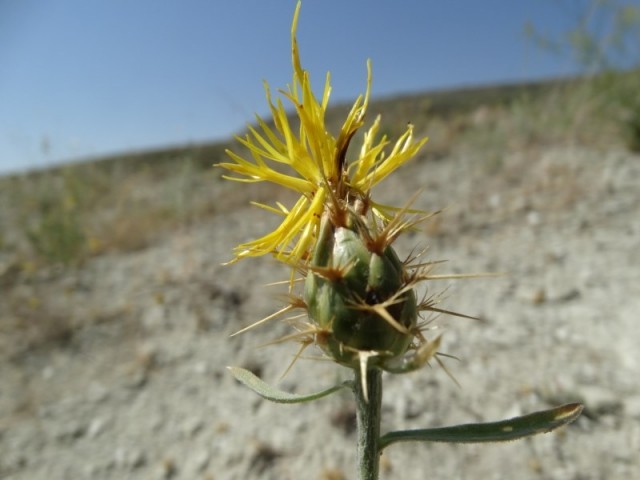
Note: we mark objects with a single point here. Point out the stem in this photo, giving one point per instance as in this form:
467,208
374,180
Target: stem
368,422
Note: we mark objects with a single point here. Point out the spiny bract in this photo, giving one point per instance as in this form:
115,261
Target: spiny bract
359,294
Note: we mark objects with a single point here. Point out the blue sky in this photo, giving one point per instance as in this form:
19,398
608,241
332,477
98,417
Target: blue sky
81,78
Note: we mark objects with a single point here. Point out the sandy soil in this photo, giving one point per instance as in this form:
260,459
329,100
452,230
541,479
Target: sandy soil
137,388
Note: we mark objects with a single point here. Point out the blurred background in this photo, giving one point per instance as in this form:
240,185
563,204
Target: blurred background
116,310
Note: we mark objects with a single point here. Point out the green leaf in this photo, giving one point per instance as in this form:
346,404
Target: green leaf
275,395
505,430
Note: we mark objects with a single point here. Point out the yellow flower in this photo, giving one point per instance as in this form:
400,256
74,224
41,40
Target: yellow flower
313,163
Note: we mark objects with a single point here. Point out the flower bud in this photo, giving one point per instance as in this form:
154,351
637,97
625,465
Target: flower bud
358,297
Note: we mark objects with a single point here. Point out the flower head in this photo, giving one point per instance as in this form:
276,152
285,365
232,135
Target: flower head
358,295
359,298
312,162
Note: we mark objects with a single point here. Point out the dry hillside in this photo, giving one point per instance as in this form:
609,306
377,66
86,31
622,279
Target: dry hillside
115,310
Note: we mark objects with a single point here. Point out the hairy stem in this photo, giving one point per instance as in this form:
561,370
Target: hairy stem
368,405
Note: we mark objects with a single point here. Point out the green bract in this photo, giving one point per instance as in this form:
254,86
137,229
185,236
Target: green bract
358,297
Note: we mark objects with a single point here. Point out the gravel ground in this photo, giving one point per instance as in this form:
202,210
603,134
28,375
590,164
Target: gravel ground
135,387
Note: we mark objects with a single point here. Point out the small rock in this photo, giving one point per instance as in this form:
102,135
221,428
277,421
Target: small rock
129,459
495,200
97,393
561,333
201,368
137,380
632,406
95,427
18,462
168,469
120,457
532,295
199,462
91,470
599,401
567,296
147,357
138,459
156,424
192,426
70,431
533,218
539,296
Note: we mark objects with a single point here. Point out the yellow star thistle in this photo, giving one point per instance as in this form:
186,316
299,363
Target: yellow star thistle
359,300
314,162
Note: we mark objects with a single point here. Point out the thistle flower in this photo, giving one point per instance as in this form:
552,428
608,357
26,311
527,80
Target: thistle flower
313,163
358,295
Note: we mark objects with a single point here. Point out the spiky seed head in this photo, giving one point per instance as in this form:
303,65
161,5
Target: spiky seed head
366,309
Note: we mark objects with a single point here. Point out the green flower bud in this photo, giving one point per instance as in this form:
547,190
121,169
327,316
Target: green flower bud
357,297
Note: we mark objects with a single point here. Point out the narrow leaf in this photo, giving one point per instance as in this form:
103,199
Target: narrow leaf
276,395
505,430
